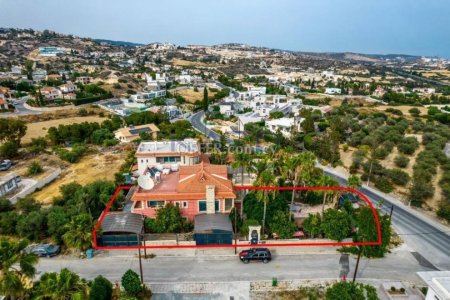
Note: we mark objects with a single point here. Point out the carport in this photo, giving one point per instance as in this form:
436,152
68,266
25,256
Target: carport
121,229
213,229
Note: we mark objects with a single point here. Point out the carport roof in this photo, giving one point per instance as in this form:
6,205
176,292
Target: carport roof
123,222
208,222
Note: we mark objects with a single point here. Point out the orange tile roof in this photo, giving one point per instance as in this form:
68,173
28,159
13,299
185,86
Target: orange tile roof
3,101
189,183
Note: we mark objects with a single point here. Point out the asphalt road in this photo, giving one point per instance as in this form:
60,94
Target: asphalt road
196,121
424,236
230,268
20,109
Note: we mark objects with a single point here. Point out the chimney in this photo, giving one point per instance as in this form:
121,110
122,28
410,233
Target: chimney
210,199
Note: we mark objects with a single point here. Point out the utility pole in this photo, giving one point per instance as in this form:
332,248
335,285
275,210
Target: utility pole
357,263
140,259
390,214
370,172
235,230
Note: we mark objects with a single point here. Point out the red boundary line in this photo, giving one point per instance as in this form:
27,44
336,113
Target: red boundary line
240,188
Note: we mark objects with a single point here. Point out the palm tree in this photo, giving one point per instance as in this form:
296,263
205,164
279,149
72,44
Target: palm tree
307,166
266,179
242,161
291,171
16,268
65,285
79,232
259,166
325,180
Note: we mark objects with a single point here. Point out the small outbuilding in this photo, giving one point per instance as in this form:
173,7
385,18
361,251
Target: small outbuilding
121,229
213,229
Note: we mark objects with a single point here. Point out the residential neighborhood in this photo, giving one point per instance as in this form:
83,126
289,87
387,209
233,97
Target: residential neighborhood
295,163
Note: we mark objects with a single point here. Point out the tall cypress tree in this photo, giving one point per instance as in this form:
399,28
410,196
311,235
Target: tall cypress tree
205,99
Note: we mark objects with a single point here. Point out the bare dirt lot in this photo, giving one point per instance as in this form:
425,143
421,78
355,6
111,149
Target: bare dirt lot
39,129
90,168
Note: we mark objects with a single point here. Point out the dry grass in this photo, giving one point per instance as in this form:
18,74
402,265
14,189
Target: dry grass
186,63
403,108
39,129
192,96
443,75
93,167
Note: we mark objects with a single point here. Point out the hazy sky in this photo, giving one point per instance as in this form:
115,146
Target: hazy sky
419,27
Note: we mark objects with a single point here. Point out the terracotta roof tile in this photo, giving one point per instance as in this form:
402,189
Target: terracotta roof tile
190,183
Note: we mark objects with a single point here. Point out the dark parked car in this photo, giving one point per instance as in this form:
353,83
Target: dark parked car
44,250
255,254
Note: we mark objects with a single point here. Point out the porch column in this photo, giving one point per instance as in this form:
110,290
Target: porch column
210,199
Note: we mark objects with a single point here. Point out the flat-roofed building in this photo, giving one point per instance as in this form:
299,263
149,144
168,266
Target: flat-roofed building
167,153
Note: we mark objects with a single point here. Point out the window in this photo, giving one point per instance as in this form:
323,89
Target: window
217,205
185,204
138,204
171,159
228,204
142,161
202,206
177,204
155,204
10,184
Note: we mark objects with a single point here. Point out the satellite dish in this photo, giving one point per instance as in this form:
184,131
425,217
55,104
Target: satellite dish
146,182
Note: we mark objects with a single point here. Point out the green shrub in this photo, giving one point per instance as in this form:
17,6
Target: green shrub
408,145
82,112
101,289
311,225
246,224
380,153
401,161
398,176
336,224
131,283
444,211
415,112
35,168
384,185
5,205
73,155
282,226
38,145
9,149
